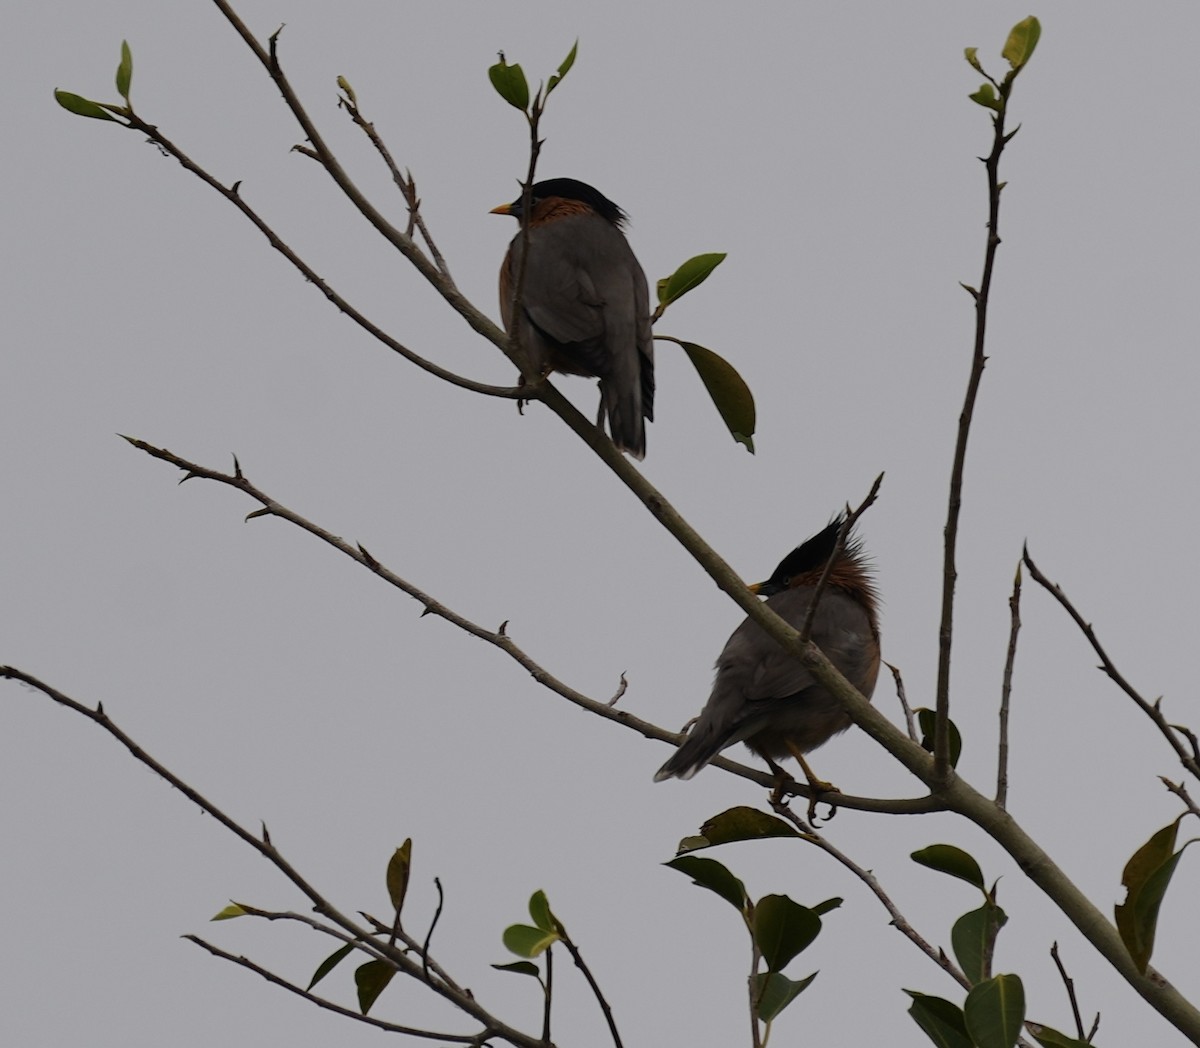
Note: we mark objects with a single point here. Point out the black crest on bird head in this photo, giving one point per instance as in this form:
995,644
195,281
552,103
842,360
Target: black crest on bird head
811,555
573,189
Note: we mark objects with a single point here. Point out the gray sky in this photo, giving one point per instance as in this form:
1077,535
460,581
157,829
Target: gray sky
830,149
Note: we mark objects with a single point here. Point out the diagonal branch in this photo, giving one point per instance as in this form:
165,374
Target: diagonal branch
328,1005
233,195
1186,754
500,638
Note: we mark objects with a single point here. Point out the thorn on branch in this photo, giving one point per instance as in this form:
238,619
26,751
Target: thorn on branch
264,512
503,630
621,689
266,835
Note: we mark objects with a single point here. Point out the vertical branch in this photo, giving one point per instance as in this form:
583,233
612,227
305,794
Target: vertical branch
549,990
941,748
1014,606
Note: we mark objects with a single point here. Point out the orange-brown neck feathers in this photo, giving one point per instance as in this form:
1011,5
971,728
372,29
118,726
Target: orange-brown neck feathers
552,208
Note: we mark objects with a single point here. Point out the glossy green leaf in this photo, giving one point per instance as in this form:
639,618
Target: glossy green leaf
520,967
973,938
1146,877
941,1020
125,71
710,874
774,992
230,911
330,962
972,56
539,910
1022,40
510,84
994,1011
1048,1037
782,928
946,858
80,106
926,720
371,980
525,941
737,824
986,97
398,870
694,272
729,392
563,69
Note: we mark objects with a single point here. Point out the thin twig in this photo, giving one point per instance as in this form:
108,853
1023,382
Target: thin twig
1069,983
577,957
909,719
392,955
843,533
234,196
322,1002
898,920
404,180
1181,791
437,914
1014,607
500,639
1170,732
547,995
941,745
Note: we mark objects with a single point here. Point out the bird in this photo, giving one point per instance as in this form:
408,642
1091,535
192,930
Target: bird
766,698
585,304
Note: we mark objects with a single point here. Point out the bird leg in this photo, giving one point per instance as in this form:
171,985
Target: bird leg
818,787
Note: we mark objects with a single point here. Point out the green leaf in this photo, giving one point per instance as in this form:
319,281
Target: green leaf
563,69
710,874
80,106
986,97
973,938
694,272
1049,1037
125,71
525,941
510,84
229,913
737,824
825,907
927,720
972,54
330,962
941,1020
1146,877
783,928
520,967
994,1012
1022,40
946,858
774,992
371,979
398,869
729,392
539,910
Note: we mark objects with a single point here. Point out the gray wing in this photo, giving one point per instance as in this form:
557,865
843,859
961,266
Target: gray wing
758,685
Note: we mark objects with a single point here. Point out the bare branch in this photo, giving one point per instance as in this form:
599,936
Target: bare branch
909,719
810,834
849,522
328,1005
577,957
941,745
1170,732
1069,983
500,639
1014,606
